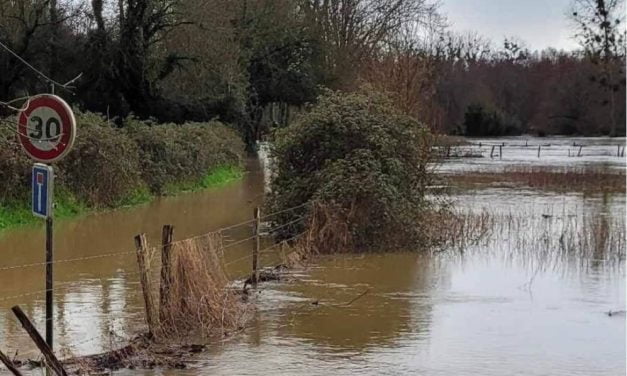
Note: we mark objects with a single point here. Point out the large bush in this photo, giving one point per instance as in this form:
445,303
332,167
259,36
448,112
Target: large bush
359,156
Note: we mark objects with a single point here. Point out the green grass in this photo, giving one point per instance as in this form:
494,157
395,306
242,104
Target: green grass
215,178
138,197
18,213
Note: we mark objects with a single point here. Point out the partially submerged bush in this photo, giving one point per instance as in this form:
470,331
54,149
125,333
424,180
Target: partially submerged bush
362,159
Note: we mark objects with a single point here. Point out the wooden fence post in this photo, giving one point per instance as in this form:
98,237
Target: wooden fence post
500,151
491,151
9,364
142,248
167,235
579,153
51,359
539,147
256,225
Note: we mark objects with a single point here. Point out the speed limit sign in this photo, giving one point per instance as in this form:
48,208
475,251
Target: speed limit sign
46,128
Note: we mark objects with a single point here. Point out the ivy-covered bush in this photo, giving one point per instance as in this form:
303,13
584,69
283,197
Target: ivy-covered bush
357,154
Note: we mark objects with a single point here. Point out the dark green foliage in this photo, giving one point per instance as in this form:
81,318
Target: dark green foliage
358,154
478,121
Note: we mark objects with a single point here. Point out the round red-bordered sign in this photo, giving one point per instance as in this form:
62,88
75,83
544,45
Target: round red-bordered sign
46,128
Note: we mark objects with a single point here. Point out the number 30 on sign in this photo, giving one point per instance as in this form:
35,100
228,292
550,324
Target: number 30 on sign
46,128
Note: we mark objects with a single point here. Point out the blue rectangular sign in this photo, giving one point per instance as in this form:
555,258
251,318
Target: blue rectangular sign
41,184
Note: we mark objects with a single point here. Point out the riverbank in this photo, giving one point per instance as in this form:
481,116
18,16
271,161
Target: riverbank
17,213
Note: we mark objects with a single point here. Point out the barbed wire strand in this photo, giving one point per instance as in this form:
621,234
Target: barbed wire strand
40,73
85,258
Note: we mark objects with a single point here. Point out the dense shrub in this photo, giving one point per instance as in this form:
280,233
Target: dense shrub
14,165
481,121
103,167
358,155
173,153
109,165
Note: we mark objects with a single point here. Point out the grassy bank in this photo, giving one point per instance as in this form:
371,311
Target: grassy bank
17,213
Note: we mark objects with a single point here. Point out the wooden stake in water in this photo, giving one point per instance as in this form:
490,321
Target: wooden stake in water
579,153
539,147
49,282
167,235
51,359
500,151
256,225
141,244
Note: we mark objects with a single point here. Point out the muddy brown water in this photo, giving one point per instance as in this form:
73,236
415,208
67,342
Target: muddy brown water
470,314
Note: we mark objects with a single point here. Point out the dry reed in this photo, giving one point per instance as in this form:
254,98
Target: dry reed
198,300
581,179
545,240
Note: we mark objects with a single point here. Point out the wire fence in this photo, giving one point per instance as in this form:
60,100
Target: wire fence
14,339
499,150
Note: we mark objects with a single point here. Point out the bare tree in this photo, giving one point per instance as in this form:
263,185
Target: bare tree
600,30
351,30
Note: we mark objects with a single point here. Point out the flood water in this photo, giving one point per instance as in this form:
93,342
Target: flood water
492,310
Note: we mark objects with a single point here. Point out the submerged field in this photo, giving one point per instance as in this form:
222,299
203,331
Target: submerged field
523,288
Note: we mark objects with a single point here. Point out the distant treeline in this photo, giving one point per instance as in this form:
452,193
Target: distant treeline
197,60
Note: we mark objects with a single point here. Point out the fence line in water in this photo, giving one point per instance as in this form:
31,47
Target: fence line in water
495,150
153,267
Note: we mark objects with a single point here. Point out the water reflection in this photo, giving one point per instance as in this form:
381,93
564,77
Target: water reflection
481,313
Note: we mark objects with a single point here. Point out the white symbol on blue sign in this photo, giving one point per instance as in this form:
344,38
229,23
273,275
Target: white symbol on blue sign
42,179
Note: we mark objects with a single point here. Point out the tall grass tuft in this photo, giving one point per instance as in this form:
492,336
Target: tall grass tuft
199,301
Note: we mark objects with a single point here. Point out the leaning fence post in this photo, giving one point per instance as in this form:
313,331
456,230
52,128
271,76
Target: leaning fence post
142,248
9,364
579,153
256,225
167,235
51,359
539,147
491,151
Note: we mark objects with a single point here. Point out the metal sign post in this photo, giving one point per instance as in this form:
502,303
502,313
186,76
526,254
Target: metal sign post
42,185
46,130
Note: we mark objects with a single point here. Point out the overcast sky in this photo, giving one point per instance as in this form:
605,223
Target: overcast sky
540,23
